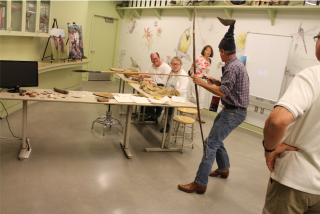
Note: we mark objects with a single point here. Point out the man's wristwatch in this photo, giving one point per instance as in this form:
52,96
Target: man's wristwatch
267,150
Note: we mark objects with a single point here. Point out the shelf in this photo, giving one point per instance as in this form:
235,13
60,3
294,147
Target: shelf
272,10
46,65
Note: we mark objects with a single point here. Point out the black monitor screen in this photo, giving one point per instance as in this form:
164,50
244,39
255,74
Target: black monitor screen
15,74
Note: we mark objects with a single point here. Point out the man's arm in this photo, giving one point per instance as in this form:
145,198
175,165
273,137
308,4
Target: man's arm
275,128
212,88
214,81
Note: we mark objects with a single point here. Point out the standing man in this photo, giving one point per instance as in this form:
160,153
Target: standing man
292,146
161,68
234,92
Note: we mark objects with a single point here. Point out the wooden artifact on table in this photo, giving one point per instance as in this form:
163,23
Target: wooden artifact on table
130,70
158,91
106,94
132,81
116,69
140,95
60,90
102,99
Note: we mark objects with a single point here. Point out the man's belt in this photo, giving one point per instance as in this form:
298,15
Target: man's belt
234,107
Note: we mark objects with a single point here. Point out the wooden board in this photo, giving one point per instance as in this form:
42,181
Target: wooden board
106,94
116,69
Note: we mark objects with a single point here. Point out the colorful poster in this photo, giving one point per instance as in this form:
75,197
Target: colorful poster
75,41
57,39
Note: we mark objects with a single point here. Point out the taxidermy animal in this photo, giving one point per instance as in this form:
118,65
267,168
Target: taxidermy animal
212,1
184,44
134,64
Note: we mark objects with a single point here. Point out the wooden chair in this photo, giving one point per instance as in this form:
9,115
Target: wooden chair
183,120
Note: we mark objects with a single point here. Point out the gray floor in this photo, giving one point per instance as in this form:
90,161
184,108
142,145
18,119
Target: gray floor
73,169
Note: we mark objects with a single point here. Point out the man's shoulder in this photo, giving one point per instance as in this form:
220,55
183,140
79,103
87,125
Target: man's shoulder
165,65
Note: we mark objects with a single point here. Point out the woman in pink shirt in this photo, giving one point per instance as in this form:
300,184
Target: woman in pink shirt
203,64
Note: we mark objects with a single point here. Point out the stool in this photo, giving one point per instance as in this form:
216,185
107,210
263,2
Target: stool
179,119
189,111
107,120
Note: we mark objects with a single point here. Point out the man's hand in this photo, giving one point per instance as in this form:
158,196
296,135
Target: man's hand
197,80
211,80
143,76
272,156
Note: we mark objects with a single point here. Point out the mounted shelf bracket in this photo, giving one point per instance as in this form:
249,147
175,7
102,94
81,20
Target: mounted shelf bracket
158,13
137,13
121,13
189,13
272,15
229,13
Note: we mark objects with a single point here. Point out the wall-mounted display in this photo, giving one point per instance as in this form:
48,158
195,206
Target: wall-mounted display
75,41
31,8
44,16
3,15
16,16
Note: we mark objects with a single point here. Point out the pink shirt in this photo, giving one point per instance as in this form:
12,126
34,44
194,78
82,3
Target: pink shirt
202,67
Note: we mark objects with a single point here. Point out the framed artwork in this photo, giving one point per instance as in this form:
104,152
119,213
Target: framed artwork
311,2
75,41
57,41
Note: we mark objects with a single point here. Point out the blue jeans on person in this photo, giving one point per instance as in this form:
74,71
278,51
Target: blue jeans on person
226,121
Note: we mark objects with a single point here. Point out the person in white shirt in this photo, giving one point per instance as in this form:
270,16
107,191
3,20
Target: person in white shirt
176,82
292,146
161,68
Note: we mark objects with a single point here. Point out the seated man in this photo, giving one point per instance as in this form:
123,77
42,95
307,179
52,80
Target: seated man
176,82
157,67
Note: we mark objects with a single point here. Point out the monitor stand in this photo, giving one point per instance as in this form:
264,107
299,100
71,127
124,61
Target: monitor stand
14,90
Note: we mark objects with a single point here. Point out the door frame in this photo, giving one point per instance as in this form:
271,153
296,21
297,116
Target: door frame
116,47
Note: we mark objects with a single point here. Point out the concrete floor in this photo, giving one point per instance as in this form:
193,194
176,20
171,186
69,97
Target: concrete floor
74,169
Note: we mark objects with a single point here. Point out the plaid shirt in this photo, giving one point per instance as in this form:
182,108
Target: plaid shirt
235,84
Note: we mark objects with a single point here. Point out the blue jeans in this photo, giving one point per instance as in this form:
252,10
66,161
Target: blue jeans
226,121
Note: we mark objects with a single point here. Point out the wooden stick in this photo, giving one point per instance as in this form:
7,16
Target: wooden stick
123,72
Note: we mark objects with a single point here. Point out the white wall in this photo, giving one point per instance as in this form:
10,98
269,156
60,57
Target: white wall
174,23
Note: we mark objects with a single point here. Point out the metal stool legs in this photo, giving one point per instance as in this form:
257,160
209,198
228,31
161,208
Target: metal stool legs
107,120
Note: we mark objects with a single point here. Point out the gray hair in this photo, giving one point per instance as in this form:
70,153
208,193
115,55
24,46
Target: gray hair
177,59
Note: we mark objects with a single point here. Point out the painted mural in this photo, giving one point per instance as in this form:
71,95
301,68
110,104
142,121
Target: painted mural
184,44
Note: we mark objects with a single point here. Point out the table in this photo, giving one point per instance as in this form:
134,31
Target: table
79,97
163,148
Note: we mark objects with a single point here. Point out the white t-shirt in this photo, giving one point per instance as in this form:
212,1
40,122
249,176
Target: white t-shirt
164,68
179,83
300,169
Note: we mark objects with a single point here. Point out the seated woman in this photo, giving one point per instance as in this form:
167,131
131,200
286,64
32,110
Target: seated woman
176,82
203,64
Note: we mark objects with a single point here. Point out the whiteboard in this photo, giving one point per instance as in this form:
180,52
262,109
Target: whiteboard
267,57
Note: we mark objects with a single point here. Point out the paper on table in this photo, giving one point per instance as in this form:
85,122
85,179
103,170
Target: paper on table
163,100
178,99
139,99
124,95
124,100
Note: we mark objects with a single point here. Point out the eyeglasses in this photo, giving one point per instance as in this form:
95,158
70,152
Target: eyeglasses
175,64
316,38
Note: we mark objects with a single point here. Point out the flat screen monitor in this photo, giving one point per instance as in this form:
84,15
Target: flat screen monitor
16,74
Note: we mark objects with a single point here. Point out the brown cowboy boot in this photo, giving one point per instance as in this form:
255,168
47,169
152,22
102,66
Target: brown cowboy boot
227,22
193,187
222,173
